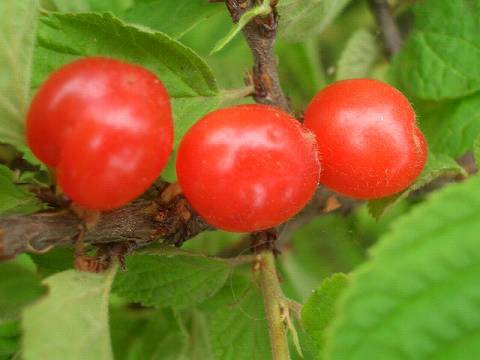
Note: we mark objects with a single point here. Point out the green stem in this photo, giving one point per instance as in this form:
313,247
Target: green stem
272,298
236,94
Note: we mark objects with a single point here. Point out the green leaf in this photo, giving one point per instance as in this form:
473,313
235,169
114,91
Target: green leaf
263,9
72,319
9,339
302,19
476,151
453,128
169,277
301,72
19,286
324,246
13,199
71,6
127,324
237,327
78,6
437,165
442,57
319,310
160,339
195,327
18,20
418,297
360,54
190,83
212,242
54,261
175,18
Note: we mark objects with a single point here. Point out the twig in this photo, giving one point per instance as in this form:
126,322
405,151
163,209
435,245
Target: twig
161,216
274,310
260,35
388,26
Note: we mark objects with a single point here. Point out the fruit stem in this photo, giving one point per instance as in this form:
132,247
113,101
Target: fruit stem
274,310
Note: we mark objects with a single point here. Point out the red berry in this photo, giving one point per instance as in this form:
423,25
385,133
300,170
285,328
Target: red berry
108,127
368,139
248,168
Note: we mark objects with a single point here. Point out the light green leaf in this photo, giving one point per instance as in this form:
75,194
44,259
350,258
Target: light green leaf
452,130
302,19
72,320
442,57
18,20
319,310
19,286
190,83
261,10
13,199
237,326
418,297
437,165
169,277
175,18
358,57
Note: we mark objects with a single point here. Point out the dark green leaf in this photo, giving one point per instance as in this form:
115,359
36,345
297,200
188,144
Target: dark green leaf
19,286
9,339
190,83
161,339
442,57
56,260
72,319
319,310
169,277
418,297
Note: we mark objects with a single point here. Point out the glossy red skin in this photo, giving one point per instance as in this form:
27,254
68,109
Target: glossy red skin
248,167
88,119
368,139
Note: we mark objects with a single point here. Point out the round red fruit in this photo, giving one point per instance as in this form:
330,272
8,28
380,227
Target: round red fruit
367,137
248,167
106,125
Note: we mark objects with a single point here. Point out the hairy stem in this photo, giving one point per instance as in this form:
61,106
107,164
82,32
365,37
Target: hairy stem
272,298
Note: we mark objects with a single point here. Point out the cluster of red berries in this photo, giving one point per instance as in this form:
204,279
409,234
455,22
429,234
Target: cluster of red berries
106,126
